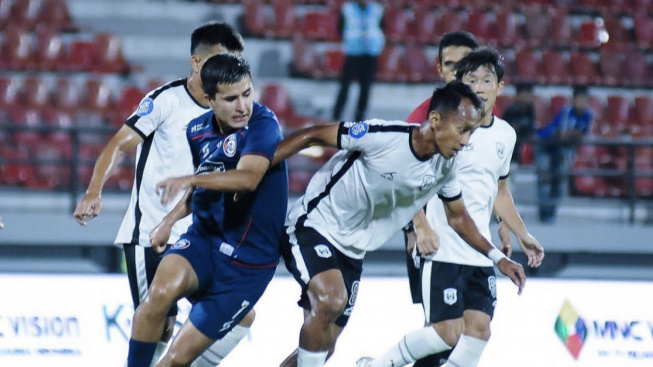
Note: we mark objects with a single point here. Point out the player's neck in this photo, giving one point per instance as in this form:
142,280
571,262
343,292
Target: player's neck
487,119
422,142
194,85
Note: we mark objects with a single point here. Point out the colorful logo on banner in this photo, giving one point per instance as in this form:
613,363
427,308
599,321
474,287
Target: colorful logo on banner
571,329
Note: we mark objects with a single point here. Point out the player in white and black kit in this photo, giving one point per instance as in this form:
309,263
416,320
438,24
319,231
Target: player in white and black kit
459,283
158,129
386,171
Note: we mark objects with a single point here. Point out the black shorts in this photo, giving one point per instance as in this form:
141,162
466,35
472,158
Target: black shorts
312,254
413,275
455,288
141,267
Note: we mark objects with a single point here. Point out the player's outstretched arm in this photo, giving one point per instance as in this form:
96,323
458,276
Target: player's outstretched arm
504,207
161,233
462,223
323,135
90,205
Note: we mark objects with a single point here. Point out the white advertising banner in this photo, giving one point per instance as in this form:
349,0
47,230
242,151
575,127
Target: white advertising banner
53,320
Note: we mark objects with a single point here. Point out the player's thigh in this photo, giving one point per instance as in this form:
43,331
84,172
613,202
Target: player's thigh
233,292
481,294
442,291
142,263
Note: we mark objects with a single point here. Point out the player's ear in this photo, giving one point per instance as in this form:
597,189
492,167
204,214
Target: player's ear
207,98
195,64
434,119
500,88
438,66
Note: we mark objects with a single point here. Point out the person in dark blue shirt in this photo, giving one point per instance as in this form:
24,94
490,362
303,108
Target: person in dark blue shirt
555,151
227,257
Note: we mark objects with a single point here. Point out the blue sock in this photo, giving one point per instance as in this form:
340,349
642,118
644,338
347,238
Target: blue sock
140,353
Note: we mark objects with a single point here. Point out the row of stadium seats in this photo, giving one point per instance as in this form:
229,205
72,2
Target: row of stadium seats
620,7
532,25
411,64
47,49
30,14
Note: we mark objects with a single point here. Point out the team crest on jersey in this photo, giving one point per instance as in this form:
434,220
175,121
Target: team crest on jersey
450,296
323,251
358,130
229,146
492,284
427,182
181,244
354,293
501,150
145,108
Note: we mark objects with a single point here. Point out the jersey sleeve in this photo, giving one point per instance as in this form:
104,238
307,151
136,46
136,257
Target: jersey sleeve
451,190
507,156
420,113
263,136
356,136
150,114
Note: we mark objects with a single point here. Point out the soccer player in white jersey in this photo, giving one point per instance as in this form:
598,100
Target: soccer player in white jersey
386,172
158,129
458,283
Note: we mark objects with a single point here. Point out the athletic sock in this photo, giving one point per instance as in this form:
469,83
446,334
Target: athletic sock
467,352
216,353
414,345
306,358
140,353
158,352
433,360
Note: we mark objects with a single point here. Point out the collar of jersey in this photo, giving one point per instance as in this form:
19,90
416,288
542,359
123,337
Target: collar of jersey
490,125
191,96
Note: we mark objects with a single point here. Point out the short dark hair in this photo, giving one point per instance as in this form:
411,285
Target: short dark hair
214,33
581,90
484,56
223,69
457,38
447,99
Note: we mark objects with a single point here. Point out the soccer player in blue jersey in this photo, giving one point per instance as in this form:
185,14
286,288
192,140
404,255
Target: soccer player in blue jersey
227,257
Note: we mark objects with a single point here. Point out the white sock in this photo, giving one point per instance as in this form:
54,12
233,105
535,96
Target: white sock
414,345
467,352
158,352
216,352
306,358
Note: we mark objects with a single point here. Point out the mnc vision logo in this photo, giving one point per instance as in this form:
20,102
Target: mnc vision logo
571,329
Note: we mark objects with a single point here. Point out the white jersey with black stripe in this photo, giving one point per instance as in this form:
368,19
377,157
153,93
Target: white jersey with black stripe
160,119
484,161
368,191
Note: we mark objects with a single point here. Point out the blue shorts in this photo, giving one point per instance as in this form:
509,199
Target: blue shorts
227,290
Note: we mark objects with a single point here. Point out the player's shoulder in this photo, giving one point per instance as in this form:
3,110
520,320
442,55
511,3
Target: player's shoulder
168,91
503,127
199,125
262,114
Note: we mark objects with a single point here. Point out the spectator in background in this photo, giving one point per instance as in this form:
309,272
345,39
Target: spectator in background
360,25
554,153
521,116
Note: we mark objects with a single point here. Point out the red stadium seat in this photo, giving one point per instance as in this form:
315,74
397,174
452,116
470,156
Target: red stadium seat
397,25
276,98
637,70
538,24
81,56
66,95
334,59
642,6
392,66
109,54
304,59
619,35
129,99
54,15
589,34
556,104
618,113
284,19
9,92
556,68
528,66
590,186
426,20
644,108
561,31
418,67
542,114
501,104
315,26
507,30
611,65
583,69
36,93
257,19
16,50
49,50
450,21
643,26
24,13
479,23
97,97
14,173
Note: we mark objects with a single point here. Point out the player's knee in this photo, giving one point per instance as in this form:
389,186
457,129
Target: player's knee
478,330
176,358
331,303
248,320
450,331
